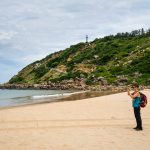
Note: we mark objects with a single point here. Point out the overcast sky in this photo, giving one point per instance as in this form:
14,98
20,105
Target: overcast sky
32,29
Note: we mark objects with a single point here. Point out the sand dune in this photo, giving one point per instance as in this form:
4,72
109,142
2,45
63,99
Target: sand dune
100,123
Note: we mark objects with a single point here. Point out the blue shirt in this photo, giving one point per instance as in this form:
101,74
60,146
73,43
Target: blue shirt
136,102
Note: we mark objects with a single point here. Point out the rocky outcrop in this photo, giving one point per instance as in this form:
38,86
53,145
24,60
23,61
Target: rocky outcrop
122,80
71,84
102,81
79,85
16,86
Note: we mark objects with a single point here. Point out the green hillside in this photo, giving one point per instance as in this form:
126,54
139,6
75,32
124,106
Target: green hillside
124,57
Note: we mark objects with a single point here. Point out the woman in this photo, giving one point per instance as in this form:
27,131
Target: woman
136,105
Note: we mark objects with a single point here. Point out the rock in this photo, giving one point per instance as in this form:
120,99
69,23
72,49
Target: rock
122,80
137,74
102,81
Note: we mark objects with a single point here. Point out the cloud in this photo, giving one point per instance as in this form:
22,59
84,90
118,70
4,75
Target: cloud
4,35
32,29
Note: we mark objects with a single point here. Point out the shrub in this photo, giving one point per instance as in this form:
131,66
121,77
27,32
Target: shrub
40,71
16,79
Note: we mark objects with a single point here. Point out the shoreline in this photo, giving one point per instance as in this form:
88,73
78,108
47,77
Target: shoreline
73,97
79,95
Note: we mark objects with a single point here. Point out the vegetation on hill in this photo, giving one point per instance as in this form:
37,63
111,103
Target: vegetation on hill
122,57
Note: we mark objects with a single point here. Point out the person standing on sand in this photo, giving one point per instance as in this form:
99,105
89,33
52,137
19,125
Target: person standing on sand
136,106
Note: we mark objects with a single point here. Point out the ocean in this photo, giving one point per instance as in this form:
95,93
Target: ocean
11,97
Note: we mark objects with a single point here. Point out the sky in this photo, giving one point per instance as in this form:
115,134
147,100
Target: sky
32,29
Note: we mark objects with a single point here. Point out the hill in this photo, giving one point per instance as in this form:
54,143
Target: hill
115,59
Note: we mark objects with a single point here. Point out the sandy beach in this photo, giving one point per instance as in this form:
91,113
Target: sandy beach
100,123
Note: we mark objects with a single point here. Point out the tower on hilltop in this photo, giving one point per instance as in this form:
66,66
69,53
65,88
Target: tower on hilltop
86,38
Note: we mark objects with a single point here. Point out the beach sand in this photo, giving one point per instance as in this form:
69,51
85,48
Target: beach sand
101,123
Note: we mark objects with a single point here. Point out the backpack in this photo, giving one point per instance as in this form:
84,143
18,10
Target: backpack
143,101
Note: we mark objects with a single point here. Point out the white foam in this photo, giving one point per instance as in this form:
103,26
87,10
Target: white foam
48,96
55,95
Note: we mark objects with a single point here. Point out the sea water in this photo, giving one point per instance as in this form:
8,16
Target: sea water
20,97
